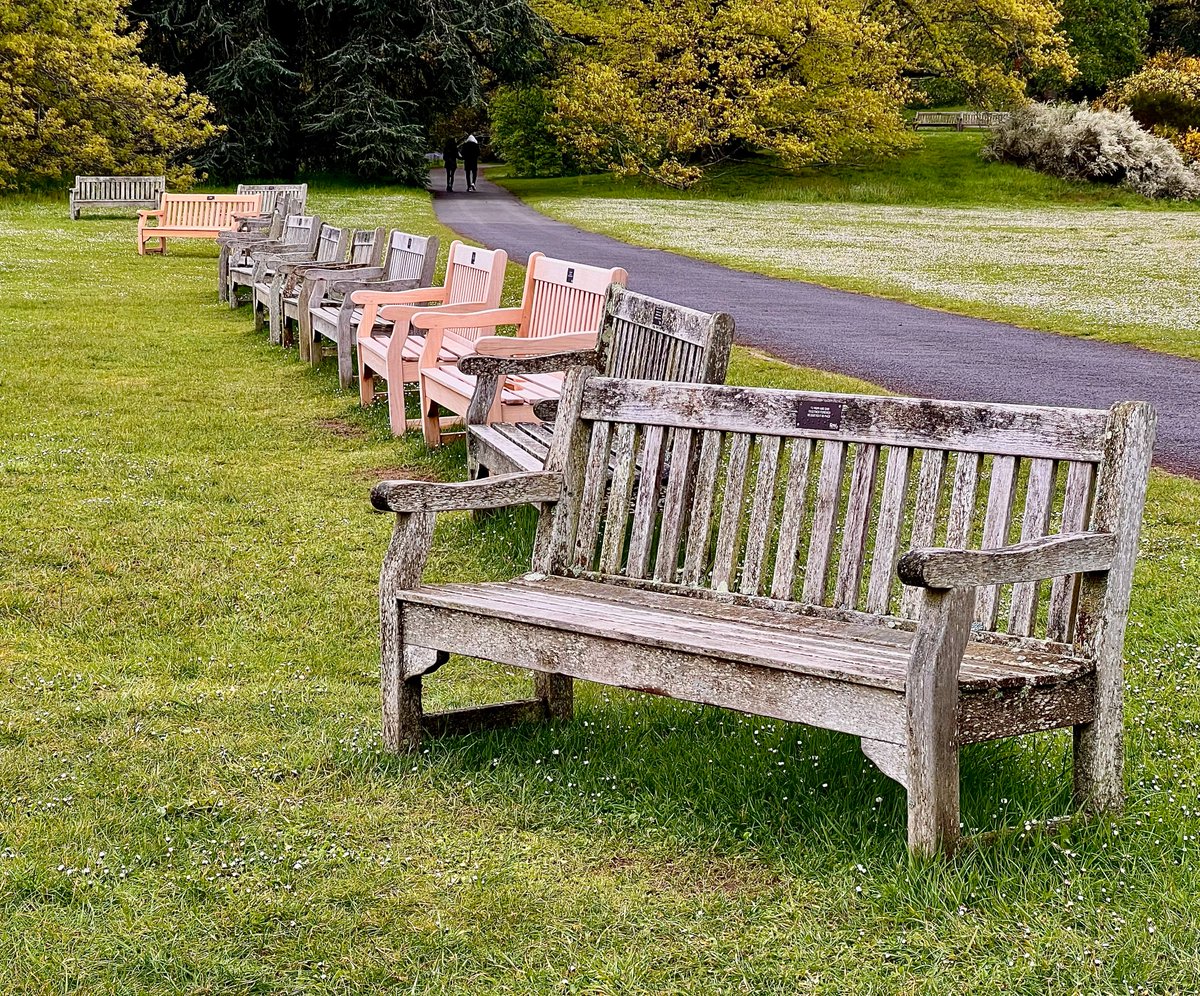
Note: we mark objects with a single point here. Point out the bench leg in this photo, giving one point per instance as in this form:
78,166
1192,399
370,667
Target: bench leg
345,354
557,691
932,705
222,270
366,385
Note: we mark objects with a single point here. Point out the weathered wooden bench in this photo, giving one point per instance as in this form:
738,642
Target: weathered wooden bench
115,191
268,275
959,120
327,312
233,246
365,251
193,216
388,347
561,309
739,547
296,194
641,339
299,235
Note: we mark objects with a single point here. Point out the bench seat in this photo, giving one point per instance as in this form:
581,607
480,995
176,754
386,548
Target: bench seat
634,622
517,395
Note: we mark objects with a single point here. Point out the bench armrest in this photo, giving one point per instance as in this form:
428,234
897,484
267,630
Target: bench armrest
1032,560
406,497
361,281
158,213
418,295
511,366
431,321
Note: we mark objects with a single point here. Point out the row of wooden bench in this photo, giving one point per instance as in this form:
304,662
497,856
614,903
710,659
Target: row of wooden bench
725,545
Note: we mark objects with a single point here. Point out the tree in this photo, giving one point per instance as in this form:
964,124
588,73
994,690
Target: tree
76,97
670,87
344,85
1108,40
1175,26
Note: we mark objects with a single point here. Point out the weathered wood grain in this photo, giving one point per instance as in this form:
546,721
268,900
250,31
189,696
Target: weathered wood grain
1030,560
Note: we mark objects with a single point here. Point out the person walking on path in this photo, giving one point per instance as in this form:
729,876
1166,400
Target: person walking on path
450,156
470,158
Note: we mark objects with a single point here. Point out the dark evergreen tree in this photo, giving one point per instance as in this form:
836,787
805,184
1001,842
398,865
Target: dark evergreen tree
350,86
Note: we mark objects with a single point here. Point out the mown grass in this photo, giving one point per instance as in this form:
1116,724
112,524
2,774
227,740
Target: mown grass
938,227
192,795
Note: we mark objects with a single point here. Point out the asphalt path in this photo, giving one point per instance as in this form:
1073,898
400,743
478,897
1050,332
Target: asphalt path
903,348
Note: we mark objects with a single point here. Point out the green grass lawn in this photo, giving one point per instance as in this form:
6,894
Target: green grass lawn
192,794
938,227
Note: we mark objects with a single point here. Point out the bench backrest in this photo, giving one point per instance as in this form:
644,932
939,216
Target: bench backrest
272,192
366,247
141,189
301,230
411,257
561,296
207,210
786,496
474,275
646,339
331,244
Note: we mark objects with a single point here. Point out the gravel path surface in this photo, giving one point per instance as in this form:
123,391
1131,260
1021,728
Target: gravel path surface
902,347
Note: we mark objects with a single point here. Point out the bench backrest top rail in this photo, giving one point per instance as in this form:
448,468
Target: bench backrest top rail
812,498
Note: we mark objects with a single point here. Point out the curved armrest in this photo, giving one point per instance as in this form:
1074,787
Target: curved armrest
511,366
509,345
363,282
151,214
418,295
1032,560
433,321
408,312
406,497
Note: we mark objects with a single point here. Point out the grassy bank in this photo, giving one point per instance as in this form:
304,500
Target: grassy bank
192,797
939,227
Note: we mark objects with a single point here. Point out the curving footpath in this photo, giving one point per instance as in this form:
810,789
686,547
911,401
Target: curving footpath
904,348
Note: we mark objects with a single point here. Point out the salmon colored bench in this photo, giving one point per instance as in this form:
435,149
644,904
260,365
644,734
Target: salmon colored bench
193,216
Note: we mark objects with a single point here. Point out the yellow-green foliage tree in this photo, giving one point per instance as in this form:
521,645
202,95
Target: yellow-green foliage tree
667,88
75,97
1164,96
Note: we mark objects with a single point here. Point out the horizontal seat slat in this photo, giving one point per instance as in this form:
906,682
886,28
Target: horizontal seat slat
818,648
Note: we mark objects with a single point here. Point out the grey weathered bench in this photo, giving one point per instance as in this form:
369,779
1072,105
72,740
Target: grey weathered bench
959,120
744,553
115,191
641,339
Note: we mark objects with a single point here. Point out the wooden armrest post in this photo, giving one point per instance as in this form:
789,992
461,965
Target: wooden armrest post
931,699
412,538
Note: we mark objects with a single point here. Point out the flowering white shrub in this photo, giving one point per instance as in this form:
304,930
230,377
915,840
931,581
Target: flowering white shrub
1078,143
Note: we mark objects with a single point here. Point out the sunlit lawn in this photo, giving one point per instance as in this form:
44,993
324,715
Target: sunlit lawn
938,227
192,795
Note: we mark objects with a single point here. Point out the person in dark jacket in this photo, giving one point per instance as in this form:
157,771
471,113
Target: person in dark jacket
470,158
450,155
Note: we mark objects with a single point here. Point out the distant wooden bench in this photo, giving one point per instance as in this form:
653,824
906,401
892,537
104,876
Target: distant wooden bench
115,191
193,216
295,193
959,120
739,547
641,339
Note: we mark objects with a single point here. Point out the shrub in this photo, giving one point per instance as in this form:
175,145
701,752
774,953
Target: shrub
1078,143
1163,96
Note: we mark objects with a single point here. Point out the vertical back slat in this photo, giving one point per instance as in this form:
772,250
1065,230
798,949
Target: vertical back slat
997,522
925,517
759,528
791,518
645,513
887,532
731,511
1035,522
854,531
824,526
962,499
591,499
700,526
666,565
1064,591
624,466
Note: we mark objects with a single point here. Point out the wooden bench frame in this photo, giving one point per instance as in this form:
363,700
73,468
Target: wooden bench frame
389,347
115,191
409,264
642,338
561,309
193,216
630,588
